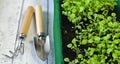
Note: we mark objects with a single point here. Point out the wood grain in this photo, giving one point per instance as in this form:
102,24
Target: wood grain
39,20
27,20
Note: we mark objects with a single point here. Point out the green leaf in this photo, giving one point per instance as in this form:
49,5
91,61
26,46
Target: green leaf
101,28
89,35
65,4
77,32
110,24
101,45
71,63
72,16
118,48
103,51
79,27
117,30
116,41
76,61
107,37
74,40
114,55
102,23
117,35
95,15
81,9
90,40
115,24
85,19
97,39
69,45
92,51
90,13
93,60
66,59
113,14
80,56
117,52
109,18
109,50
87,2
101,16
89,17
63,12
84,41
102,61
74,10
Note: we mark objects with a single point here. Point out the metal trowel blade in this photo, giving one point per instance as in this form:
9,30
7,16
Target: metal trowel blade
47,45
42,53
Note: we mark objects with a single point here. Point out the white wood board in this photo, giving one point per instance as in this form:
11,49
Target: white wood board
9,15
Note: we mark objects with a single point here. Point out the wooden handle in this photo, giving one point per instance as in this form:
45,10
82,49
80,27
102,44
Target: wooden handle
39,20
27,20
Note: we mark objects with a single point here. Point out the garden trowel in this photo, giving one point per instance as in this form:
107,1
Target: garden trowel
41,42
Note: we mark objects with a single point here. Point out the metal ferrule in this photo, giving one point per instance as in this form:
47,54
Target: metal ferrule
22,36
41,36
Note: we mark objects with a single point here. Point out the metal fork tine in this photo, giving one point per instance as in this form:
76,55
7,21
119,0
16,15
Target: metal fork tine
22,48
11,52
7,56
16,50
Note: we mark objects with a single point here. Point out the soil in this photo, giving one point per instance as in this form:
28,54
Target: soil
68,33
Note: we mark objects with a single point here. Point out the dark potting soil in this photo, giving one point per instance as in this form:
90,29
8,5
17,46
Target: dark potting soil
68,33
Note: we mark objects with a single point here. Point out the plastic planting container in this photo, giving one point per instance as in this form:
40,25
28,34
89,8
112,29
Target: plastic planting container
57,31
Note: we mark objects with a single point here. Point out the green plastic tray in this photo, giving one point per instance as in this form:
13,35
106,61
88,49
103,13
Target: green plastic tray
57,32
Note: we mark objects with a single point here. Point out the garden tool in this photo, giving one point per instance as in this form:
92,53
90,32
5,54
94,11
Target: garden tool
41,42
19,45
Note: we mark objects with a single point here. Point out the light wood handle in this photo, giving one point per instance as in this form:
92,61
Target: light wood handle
27,20
39,20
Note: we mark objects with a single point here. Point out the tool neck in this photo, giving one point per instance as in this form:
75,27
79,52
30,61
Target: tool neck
22,36
41,36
